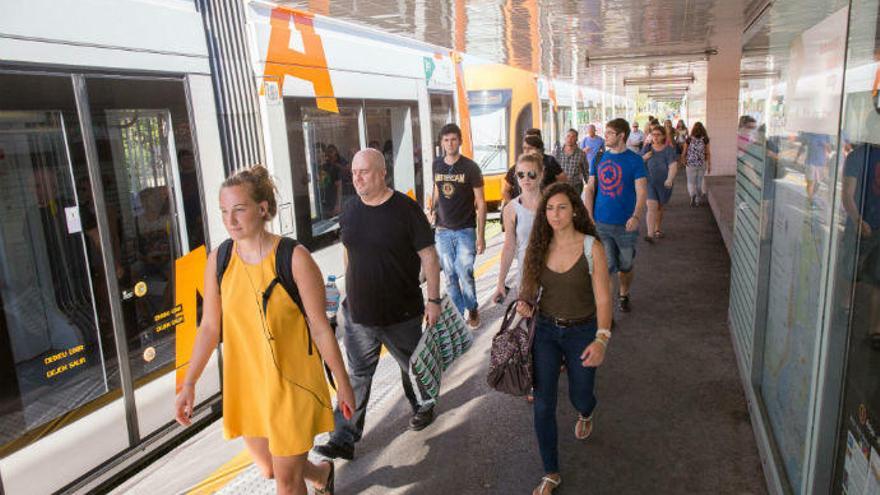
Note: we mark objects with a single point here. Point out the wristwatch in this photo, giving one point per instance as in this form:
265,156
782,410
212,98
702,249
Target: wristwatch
436,301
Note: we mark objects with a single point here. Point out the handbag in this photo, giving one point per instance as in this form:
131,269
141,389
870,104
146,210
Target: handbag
510,359
439,346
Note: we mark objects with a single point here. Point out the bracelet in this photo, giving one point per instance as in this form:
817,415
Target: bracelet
603,342
604,332
436,301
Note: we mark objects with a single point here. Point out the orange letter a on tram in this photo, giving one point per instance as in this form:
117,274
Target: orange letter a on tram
309,65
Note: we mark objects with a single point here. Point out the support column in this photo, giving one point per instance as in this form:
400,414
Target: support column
722,94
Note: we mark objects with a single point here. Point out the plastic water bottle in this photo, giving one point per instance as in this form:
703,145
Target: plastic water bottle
332,304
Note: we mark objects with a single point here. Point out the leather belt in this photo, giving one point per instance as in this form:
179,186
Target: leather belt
562,322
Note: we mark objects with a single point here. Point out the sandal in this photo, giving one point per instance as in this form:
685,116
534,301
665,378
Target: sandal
659,234
649,239
547,482
583,427
331,481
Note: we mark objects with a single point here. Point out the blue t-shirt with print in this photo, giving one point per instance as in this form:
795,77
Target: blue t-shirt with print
616,175
595,144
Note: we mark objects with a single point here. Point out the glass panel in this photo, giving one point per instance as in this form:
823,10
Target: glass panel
442,113
417,153
856,303
331,140
55,355
490,110
380,136
807,48
135,138
49,317
547,124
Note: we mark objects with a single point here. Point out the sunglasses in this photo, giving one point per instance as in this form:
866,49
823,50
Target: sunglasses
531,174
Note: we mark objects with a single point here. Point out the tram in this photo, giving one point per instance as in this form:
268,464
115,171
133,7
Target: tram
110,167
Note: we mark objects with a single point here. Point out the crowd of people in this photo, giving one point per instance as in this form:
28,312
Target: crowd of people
571,221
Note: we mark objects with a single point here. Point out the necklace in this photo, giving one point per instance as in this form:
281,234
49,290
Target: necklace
247,270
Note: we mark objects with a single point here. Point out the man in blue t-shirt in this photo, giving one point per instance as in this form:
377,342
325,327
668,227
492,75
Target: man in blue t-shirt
615,197
592,144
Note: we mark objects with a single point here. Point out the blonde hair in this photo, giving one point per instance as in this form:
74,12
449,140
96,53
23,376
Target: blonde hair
261,187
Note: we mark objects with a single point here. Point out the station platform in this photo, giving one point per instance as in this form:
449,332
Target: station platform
672,416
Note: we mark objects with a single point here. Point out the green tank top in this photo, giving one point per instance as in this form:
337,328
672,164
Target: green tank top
568,295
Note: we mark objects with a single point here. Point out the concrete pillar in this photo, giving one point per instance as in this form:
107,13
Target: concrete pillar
722,92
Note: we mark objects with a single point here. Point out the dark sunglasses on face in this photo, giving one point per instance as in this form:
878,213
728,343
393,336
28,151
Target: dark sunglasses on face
532,175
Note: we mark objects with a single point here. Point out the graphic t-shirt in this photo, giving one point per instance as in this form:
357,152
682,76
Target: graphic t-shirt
595,144
863,163
456,184
616,176
382,242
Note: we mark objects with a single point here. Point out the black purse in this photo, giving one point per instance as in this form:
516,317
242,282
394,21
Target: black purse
510,359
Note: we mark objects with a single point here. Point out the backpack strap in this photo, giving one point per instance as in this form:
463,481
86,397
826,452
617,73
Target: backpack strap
224,253
588,250
284,277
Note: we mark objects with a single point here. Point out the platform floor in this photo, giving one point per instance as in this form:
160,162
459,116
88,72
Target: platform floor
672,416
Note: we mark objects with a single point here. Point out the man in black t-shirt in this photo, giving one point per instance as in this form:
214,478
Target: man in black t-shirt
461,221
387,239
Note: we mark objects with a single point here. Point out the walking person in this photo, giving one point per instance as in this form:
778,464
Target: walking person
670,132
519,215
698,161
615,197
592,144
275,392
681,136
662,164
573,161
387,239
460,209
566,282
533,144
636,138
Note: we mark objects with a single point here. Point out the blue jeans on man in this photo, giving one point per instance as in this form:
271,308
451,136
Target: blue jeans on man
458,250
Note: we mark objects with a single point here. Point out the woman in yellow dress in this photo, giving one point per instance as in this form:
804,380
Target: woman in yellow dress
275,393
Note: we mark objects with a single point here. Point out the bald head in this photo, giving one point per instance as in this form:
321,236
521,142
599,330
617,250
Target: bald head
369,157
368,174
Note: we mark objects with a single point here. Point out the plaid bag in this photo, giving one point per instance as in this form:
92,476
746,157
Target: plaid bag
439,346
510,360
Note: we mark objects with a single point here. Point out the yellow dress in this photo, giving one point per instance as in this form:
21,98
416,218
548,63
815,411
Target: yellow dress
272,387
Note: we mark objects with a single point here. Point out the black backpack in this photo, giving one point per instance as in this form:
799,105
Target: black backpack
283,277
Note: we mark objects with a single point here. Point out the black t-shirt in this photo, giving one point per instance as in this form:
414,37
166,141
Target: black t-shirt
382,279
552,169
456,184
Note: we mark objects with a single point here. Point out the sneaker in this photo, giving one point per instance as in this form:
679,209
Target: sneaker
623,304
694,201
421,419
332,450
473,318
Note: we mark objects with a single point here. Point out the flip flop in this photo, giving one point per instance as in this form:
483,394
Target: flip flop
554,484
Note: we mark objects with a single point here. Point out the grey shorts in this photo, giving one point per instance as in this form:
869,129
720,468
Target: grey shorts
620,246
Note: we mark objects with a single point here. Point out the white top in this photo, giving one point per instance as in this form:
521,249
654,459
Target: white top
525,218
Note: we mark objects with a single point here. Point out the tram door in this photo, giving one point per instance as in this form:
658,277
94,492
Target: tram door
138,169
50,357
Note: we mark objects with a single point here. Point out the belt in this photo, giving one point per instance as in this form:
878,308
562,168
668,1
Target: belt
562,322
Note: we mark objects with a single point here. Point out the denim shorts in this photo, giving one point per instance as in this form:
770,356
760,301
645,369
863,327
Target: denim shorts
620,246
657,191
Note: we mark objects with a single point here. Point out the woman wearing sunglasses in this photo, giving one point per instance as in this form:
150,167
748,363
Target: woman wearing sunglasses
518,217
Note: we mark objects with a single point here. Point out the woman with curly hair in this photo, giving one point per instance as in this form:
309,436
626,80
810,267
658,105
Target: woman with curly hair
565,281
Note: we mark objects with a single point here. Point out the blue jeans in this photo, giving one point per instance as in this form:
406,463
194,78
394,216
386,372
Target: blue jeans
550,346
457,250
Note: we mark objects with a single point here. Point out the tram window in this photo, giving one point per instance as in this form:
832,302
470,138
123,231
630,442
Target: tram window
321,146
442,113
388,132
56,339
418,164
144,148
